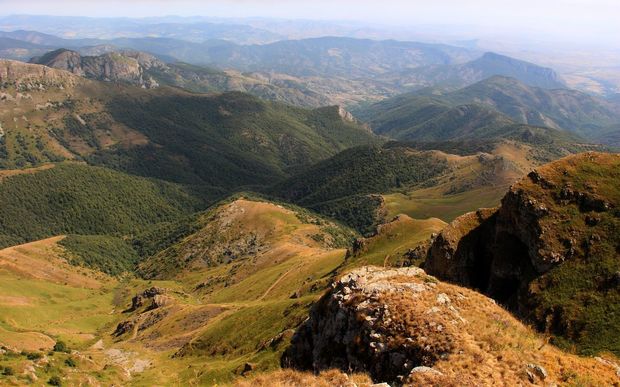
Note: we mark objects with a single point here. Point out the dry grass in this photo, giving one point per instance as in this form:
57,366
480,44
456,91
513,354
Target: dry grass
290,378
41,260
483,344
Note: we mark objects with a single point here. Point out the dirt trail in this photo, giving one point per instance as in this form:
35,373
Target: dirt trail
278,281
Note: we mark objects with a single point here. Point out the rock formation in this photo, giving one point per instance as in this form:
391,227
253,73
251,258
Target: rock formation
556,227
402,326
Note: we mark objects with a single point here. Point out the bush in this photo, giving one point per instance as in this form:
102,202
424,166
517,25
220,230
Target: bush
8,371
70,363
61,346
32,355
55,381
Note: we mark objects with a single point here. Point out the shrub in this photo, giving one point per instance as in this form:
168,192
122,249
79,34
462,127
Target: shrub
8,371
61,346
54,381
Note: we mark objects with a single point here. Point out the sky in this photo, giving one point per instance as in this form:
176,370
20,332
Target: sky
567,19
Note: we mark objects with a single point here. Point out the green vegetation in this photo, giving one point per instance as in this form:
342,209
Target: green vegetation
78,199
229,140
111,255
61,346
579,300
488,110
8,371
361,212
339,187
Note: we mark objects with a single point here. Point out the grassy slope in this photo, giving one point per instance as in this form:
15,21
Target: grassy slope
578,300
245,260
473,181
339,187
43,296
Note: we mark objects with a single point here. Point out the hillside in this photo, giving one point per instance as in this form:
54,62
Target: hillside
496,102
145,70
163,132
75,198
488,65
549,253
342,186
365,186
561,109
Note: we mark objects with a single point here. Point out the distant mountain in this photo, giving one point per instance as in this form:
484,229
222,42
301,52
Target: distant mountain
500,100
615,98
489,65
111,28
145,70
610,136
561,109
217,140
331,56
20,50
48,40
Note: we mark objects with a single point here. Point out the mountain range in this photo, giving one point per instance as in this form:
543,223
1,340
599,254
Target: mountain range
342,70
493,102
328,211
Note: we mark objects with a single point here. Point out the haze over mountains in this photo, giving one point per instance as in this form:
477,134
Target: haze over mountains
200,201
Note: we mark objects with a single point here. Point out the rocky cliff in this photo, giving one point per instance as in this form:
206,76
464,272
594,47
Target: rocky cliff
27,77
122,66
405,327
550,251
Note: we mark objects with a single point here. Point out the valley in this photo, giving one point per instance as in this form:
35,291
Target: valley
195,201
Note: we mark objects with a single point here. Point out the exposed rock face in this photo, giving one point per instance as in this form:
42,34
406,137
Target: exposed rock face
404,327
148,313
563,212
357,328
27,77
121,66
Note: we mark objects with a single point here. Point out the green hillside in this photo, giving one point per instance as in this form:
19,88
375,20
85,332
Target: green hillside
565,109
226,140
483,109
218,140
339,186
79,199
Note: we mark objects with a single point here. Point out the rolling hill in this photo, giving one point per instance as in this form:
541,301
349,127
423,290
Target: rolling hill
145,70
561,109
71,198
498,100
222,140
488,65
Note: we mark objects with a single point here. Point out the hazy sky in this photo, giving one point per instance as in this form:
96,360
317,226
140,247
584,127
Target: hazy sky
587,19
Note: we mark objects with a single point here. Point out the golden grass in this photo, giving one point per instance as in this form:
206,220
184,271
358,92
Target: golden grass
487,346
42,260
290,378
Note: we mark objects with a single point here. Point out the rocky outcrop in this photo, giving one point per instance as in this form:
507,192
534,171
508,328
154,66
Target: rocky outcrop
404,327
357,326
148,308
564,212
121,66
29,77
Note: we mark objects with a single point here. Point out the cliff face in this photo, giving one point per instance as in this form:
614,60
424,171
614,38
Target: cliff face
25,77
124,66
405,327
555,228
